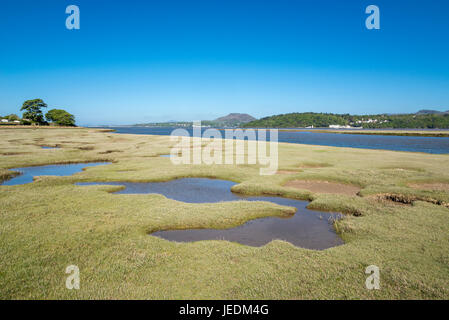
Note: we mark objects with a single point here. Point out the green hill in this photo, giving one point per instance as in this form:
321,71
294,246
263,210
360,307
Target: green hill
323,120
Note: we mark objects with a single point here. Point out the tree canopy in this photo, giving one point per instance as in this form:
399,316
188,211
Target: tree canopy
298,120
13,117
33,110
60,117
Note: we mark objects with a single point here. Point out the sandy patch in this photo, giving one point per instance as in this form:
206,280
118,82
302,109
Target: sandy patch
324,187
431,186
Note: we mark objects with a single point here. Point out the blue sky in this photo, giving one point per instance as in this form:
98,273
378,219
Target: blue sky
141,61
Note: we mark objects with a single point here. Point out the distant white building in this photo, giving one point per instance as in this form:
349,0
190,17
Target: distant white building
5,120
337,126
371,121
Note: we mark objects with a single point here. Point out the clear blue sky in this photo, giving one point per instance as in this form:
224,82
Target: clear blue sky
143,61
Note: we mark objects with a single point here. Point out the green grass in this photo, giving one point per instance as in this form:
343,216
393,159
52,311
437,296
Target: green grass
51,223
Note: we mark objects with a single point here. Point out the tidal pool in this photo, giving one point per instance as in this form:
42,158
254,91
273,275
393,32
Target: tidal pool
306,228
27,173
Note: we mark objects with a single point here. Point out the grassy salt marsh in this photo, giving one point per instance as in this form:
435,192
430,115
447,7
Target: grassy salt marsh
51,223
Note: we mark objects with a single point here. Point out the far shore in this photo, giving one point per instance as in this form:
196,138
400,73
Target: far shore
38,127
383,132
53,127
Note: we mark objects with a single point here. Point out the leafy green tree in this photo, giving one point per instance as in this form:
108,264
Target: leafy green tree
33,110
13,117
60,117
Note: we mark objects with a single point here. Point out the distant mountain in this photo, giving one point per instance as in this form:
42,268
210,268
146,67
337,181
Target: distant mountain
231,120
431,112
234,119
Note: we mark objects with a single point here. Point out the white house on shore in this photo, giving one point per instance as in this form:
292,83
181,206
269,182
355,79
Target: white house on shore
337,126
9,122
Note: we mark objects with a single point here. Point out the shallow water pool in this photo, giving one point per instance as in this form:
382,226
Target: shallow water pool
27,173
306,228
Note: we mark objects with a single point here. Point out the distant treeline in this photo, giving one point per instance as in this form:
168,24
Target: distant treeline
164,124
231,120
33,115
322,120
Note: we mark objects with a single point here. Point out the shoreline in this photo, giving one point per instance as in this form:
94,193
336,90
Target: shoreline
38,127
54,128
381,132
438,133
349,146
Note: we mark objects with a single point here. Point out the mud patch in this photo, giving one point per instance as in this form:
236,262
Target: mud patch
324,187
5,175
409,199
110,151
88,148
387,200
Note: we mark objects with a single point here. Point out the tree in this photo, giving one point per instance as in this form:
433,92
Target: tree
60,117
33,110
13,117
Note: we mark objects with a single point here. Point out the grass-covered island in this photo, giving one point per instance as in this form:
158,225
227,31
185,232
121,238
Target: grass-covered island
399,221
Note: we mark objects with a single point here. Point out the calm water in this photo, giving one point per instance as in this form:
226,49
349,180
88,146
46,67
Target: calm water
306,228
27,173
397,143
